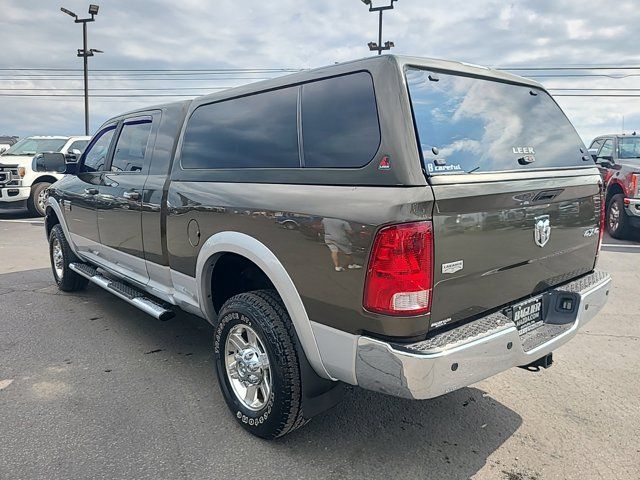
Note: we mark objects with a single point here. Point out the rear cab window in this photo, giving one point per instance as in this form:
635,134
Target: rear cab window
340,126
629,148
470,124
258,131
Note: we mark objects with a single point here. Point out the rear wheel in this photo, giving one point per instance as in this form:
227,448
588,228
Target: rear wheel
617,219
37,202
61,256
257,364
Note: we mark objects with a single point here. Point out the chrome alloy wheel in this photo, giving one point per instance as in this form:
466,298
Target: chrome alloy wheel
57,258
614,216
247,366
42,200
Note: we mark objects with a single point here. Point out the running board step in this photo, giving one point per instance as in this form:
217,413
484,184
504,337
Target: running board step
124,291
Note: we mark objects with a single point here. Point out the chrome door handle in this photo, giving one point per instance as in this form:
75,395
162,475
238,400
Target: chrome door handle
91,191
133,195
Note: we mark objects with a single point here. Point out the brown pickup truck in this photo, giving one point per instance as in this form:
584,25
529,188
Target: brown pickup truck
407,225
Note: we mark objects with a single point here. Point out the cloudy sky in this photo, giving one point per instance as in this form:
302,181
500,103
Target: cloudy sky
296,34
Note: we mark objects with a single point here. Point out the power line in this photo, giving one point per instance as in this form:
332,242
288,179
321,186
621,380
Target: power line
164,89
136,95
93,96
595,95
115,76
570,75
571,67
596,89
221,70
167,89
137,79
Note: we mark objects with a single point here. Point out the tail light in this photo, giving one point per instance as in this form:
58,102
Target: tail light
603,214
400,273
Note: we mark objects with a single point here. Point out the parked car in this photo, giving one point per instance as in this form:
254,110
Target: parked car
388,150
618,158
20,186
6,142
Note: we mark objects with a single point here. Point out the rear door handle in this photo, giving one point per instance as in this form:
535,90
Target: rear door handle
91,191
132,195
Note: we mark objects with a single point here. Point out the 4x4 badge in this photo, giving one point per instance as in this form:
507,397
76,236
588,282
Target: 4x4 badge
542,230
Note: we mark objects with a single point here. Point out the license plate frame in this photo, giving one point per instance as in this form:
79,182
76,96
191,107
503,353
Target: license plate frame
528,315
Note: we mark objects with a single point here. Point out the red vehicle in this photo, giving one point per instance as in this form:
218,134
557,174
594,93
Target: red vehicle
618,158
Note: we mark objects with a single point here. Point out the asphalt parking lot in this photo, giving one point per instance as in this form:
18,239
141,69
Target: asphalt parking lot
92,388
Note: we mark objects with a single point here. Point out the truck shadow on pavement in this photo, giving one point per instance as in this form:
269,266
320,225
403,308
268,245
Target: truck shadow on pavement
166,383
17,214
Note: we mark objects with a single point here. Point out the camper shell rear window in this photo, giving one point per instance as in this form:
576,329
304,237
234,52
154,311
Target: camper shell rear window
469,124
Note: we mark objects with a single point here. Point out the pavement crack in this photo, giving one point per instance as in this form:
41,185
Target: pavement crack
630,337
153,351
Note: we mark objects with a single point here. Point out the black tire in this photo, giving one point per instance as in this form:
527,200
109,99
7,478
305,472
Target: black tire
264,312
66,279
34,203
617,219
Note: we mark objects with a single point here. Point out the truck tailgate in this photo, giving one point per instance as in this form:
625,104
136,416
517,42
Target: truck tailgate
498,242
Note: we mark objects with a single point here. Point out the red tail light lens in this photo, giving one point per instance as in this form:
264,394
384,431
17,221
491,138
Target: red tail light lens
400,273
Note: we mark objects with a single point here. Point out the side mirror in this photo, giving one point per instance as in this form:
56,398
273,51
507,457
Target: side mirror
73,156
606,161
50,162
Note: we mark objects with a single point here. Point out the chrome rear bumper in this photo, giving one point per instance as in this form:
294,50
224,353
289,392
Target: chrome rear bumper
477,350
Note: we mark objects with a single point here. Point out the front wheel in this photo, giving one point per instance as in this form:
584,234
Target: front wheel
37,202
617,219
257,364
61,256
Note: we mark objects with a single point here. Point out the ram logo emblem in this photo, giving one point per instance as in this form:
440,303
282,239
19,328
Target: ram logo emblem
542,230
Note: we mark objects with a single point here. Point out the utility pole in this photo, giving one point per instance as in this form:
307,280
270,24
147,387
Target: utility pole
379,46
85,54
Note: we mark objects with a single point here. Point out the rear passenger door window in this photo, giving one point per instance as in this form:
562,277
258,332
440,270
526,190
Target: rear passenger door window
340,126
131,149
258,131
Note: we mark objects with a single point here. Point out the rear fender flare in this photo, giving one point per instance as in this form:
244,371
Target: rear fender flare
258,253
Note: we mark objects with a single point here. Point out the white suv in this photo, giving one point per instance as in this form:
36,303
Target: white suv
20,186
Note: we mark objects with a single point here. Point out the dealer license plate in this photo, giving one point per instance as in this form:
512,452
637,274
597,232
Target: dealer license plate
528,315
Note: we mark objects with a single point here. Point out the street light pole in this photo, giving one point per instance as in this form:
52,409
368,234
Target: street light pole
85,59
85,54
379,46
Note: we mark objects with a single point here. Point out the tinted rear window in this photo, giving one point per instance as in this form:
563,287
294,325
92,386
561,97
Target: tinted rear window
484,126
340,122
258,131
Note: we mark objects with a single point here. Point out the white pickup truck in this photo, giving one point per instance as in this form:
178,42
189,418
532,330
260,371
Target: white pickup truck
20,186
